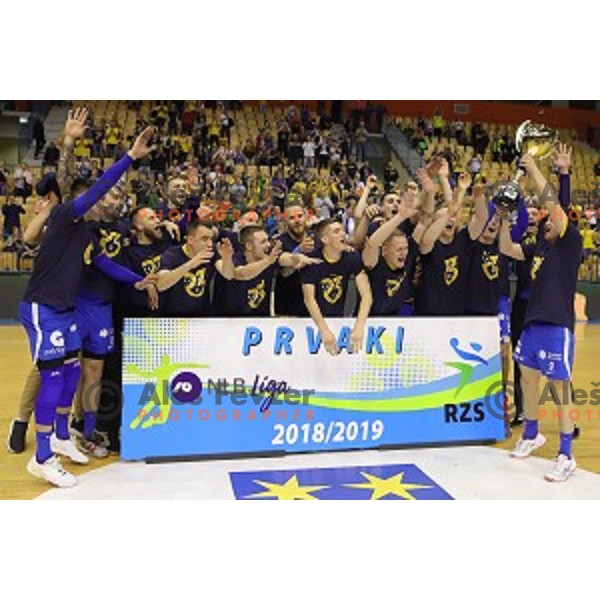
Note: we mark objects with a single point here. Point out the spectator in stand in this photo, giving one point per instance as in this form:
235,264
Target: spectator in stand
23,181
361,141
308,149
438,124
3,179
390,176
475,167
11,227
39,136
112,136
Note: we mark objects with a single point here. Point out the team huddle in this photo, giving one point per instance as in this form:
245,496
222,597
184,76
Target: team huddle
408,255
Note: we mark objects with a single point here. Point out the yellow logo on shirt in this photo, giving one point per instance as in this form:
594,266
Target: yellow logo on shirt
451,270
490,266
87,254
536,264
194,283
151,265
256,295
110,242
393,285
332,288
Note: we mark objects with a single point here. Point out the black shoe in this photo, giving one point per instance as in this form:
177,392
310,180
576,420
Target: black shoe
112,441
16,436
517,421
576,432
76,427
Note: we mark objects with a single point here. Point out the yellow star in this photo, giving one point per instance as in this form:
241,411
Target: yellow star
290,490
391,485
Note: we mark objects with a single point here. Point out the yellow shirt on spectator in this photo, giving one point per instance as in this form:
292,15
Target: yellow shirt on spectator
588,239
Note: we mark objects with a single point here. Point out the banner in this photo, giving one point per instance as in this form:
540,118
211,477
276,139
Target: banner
197,387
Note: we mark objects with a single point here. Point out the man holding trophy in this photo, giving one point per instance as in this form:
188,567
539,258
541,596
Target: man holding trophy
547,343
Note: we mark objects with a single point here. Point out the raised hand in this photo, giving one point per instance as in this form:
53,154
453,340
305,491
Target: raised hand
371,181
528,163
202,258
141,147
433,166
464,181
444,170
75,125
307,245
425,180
562,158
225,249
275,252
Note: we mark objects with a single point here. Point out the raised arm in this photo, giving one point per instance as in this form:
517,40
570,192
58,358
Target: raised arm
361,205
33,232
140,148
562,160
443,176
362,228
433,232
225,264
546,193
427,194
370,253
74,129
506,245
480,214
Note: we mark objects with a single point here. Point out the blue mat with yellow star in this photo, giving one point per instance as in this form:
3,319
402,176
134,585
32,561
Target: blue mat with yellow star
380,482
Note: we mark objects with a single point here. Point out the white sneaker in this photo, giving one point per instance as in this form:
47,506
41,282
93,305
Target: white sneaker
52,471
69,449
563,468
525,447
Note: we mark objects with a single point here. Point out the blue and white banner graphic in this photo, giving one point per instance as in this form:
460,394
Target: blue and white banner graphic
228,386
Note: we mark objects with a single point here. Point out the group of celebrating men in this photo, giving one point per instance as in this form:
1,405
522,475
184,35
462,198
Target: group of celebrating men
407,256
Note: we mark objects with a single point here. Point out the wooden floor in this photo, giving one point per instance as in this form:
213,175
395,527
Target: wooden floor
16,483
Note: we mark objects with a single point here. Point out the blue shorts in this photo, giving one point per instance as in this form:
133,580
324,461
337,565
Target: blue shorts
52,333
547,348
504,316
95,324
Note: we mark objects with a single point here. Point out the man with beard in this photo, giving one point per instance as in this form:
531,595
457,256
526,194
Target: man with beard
389,257
547,343
325,285
288,284
142,256
96,324
182,201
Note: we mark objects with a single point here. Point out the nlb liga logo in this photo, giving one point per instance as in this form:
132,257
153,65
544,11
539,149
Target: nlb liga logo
184,387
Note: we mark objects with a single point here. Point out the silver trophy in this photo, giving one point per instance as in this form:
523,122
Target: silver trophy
536,140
